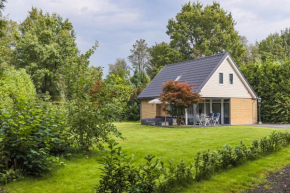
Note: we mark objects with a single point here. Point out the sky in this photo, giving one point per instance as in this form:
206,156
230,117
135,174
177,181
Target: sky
117,24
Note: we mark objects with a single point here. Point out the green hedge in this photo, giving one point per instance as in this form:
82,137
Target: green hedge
32,135
120,174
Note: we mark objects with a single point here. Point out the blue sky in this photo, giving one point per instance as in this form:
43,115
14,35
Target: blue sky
117,24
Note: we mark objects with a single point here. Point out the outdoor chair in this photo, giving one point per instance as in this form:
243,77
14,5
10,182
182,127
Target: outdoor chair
216,119
211,116
203,120
197,120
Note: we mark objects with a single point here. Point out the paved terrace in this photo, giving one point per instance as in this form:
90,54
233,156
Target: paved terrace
277,126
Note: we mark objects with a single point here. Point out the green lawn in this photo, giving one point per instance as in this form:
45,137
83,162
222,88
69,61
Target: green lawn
82,173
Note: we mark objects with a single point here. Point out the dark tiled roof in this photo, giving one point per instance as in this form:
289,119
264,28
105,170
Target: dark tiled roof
196,72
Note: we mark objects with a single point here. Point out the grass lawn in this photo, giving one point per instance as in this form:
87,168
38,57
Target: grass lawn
81,173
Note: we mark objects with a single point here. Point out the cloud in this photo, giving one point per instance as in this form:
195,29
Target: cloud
118,24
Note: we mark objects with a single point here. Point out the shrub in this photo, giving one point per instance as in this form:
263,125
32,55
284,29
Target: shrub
241,154
32,133
90,124
119,174
14,83
226,156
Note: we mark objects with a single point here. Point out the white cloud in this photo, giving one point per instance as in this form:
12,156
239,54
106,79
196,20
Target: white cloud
117,24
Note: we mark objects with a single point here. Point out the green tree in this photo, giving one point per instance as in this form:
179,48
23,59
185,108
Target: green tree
139,55
13,84
7,42
272,49
46,47
276,47
180,96
2,20
120,68
32,133
202,31
161,55
2,4
252,52
270,80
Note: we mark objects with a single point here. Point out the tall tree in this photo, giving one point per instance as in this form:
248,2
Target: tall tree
140,55
200,31
120,68
180,96
2,4
252,51
7,42
161,55
2,20
276,47
47,46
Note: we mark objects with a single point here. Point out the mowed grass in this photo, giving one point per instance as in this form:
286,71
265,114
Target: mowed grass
81,173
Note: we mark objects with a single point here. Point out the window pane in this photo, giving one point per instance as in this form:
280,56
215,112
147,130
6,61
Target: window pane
207,109
226,100
221,78
200,108
216,100
231,79
190,111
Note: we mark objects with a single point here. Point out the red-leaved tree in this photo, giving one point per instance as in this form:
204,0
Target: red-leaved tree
180,96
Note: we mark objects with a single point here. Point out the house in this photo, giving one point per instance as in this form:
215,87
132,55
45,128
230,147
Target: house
220,83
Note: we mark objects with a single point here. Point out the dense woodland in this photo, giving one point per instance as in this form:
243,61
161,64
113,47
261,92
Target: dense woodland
54,102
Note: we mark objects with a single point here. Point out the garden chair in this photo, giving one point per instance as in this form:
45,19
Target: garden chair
198,120
211,115
216,119
204,121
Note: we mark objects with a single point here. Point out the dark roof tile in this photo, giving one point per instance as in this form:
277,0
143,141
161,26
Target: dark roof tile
196,72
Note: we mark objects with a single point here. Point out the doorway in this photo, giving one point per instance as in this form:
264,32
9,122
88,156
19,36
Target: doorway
226,112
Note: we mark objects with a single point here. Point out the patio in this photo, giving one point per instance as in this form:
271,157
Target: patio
210,112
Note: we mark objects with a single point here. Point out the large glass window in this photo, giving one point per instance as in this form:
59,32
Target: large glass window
200,108
190,111
207,106
221,78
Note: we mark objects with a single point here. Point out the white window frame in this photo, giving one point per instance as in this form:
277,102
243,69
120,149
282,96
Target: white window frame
219,78
230,79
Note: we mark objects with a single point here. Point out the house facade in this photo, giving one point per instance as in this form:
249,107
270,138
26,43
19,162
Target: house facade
219,82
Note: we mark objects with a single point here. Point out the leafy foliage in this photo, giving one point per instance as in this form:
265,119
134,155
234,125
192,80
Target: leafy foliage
270,80
7,42
275,47
31,135
180,96
161,55
120,174
120,68
139,55
2,21
45,48
14,83
202,31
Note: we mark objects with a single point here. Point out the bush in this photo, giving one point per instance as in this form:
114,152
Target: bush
119,174
14,83
32,133
90,124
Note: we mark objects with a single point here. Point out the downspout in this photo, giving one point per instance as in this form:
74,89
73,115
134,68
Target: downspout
140,104
253,111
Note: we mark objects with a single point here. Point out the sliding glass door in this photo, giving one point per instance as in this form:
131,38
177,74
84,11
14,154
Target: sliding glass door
221,106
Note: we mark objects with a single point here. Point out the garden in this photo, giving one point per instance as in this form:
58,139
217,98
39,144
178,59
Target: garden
68,126
82,172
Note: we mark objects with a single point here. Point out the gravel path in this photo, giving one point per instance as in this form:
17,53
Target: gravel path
278,182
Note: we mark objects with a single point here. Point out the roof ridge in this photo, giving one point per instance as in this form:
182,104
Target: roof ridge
206,57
